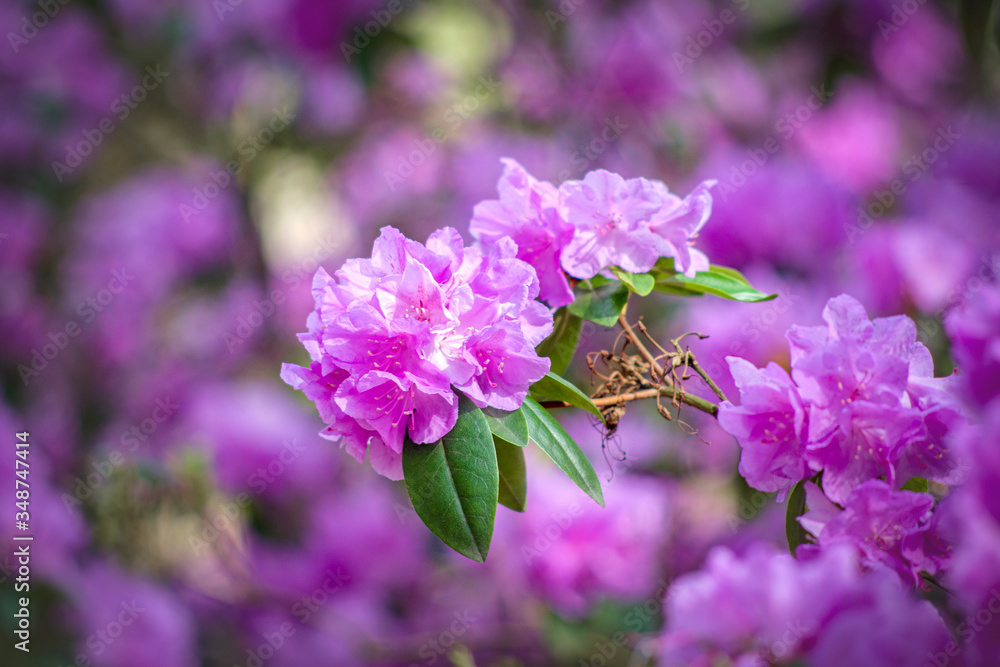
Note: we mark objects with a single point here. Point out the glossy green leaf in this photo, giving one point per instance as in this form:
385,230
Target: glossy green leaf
667,288
553,439
454,483
601,305
513,475
509,426
718,280
640,283
794,531
561,344
554,388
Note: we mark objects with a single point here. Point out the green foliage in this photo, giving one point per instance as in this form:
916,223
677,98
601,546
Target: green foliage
561,343
554,388
508,426
718,280
552,439
601,304
454,483
794,531
640,283
918,484
974,18
513,475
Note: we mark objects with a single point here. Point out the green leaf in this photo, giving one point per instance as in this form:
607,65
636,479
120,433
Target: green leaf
640,283
918,484
454,483
601,305
794,531
561,343
553,439
676,289
718,280
513,479
509,426
554,388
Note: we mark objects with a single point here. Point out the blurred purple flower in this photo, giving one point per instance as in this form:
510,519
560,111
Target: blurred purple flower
572,553
757,213
855,139
260,441
126,621
974,512
923,56
974,330
767,608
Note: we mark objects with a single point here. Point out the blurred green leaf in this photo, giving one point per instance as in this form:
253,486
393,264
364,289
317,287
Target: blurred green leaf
974,18
553,439
461,656
454,483
918,484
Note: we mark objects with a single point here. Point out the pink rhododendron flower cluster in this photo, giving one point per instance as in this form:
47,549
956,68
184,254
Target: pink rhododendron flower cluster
893,528
584,227
862,407
392,336
862,403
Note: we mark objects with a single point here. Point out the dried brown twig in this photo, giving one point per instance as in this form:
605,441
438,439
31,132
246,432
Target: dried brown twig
625,377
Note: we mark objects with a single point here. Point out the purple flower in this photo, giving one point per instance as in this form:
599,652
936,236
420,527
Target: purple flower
768,608
974,329
528,212
770,425
571,555
677,223
862,444
974,510
890,528
155,627
392,335
875,408
249,428
630,224
864,405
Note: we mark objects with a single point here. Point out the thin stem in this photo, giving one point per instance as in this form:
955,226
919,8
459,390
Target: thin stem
709,381
650,359
668,388
671,391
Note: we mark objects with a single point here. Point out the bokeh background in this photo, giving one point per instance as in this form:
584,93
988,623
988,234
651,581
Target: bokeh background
173,172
